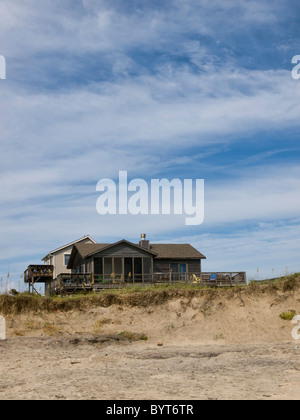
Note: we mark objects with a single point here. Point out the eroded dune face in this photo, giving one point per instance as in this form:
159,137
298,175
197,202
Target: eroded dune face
248,314
173,345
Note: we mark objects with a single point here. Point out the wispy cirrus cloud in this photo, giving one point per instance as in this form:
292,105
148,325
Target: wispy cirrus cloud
87,41
161,89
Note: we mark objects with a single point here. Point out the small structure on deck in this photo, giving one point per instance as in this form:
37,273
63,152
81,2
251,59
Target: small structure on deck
38,274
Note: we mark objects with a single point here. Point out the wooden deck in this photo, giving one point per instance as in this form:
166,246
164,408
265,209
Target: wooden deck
221,279
38,274
67,284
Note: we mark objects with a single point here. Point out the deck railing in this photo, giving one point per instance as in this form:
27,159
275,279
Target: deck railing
38,272
74,283
222,279
69,283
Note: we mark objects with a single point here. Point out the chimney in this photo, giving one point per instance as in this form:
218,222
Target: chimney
143,242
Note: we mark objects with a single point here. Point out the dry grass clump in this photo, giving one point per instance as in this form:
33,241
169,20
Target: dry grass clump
133,336
96,327
50,329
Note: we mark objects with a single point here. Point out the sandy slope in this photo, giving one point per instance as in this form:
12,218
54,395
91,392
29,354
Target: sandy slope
216,344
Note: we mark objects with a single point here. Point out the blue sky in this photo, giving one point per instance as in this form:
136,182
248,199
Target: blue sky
194,89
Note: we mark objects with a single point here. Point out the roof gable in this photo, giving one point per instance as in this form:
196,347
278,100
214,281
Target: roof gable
157,251
88,250
104,247
87,237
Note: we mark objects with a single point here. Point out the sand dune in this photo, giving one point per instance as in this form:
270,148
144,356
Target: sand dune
215,344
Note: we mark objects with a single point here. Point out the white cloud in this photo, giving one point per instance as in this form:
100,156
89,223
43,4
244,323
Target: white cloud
160,88
55,147
149,111
263,251
269,194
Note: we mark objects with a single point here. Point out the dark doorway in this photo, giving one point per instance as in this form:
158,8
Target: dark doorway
138,270
128,270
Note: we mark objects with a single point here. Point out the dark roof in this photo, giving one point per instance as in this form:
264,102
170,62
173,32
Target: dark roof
164,251
84,250
178,251
88,249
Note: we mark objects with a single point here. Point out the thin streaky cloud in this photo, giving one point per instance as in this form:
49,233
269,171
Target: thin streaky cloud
161,89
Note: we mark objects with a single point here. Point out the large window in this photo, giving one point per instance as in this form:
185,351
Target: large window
118,266
137,265
174,268
147,265
138,270
178,271
128,269
107,266
178,268
98,266
182,268
147,269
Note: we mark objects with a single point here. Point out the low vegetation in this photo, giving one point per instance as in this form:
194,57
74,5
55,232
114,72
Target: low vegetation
288,316
133,336
133,296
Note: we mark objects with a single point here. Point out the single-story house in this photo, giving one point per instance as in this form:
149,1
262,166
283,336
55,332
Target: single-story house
129,262
85,264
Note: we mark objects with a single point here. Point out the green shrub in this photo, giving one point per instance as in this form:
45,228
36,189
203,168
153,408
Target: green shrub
288,316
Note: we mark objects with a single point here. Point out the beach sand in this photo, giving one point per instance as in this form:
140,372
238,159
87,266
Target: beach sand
212,345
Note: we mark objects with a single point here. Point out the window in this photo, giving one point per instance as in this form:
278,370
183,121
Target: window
118,266
174,268
182,268
98,266
137,265
178,268
128,269
108,266
147,265
66,259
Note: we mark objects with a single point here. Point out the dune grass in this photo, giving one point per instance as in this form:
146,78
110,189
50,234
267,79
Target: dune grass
133,296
